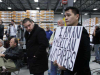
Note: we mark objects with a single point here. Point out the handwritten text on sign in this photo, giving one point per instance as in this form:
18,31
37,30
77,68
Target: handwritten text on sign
65,46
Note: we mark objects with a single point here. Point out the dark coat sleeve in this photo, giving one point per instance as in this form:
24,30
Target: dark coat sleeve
98,34
13,54
3,30
43,43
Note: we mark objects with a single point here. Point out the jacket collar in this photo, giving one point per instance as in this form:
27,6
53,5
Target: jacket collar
79,24
13,47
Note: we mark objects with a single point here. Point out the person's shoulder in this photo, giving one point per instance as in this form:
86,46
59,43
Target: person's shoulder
26,32
2,25
84,30
17,47
40,29
51,31
98,31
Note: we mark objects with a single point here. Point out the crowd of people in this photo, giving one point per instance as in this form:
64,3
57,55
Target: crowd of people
37,42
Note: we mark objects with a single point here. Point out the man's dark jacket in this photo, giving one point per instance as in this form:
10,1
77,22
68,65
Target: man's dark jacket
1,31
96,38
36,44
83,56
15,54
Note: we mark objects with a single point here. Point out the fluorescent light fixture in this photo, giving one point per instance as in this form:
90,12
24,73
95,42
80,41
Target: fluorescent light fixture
95,9
37,8
36,1
0,0
62,13
74,1
86,14
9,8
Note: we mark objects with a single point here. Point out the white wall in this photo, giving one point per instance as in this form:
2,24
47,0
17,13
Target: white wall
92,16
58,17
84,17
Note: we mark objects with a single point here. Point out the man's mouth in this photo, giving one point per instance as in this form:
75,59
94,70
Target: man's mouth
67,21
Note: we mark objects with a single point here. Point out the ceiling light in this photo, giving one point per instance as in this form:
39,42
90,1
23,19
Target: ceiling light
74,1
62,13
9,7
37,8
86,14
95,9
35,0
0,0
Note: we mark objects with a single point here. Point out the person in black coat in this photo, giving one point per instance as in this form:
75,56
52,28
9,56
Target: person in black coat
1,30
20,30
81,66
36,44
96,42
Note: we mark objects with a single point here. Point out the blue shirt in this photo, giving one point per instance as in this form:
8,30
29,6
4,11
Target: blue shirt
48,34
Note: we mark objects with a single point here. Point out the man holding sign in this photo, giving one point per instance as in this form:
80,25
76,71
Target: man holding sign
81,66
71,46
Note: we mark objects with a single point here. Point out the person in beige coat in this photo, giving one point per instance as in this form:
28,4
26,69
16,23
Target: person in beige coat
2,49
53,64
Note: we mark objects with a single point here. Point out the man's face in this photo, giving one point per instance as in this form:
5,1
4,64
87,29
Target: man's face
28,26
0,22
0,44
12,43
70,18
47,29
20,23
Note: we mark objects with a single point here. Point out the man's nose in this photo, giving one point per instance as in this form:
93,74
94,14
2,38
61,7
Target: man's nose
66,18
28,28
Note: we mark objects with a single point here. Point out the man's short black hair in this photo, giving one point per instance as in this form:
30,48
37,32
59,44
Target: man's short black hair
32,21
26,19
74,10
12,20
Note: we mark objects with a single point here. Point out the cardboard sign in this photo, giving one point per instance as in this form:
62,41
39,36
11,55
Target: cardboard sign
65,46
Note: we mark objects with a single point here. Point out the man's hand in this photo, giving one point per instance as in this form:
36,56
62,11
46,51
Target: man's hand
61,67
51,43
55,63
2,55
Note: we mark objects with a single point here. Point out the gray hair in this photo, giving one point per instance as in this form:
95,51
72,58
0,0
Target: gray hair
62,21
2,41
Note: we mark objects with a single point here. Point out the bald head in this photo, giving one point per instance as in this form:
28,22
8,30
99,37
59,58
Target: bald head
61,23
13,42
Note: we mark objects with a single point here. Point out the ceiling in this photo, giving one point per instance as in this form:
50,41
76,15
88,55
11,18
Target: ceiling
23,5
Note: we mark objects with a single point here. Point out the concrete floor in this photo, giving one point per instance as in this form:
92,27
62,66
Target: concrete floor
94,67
